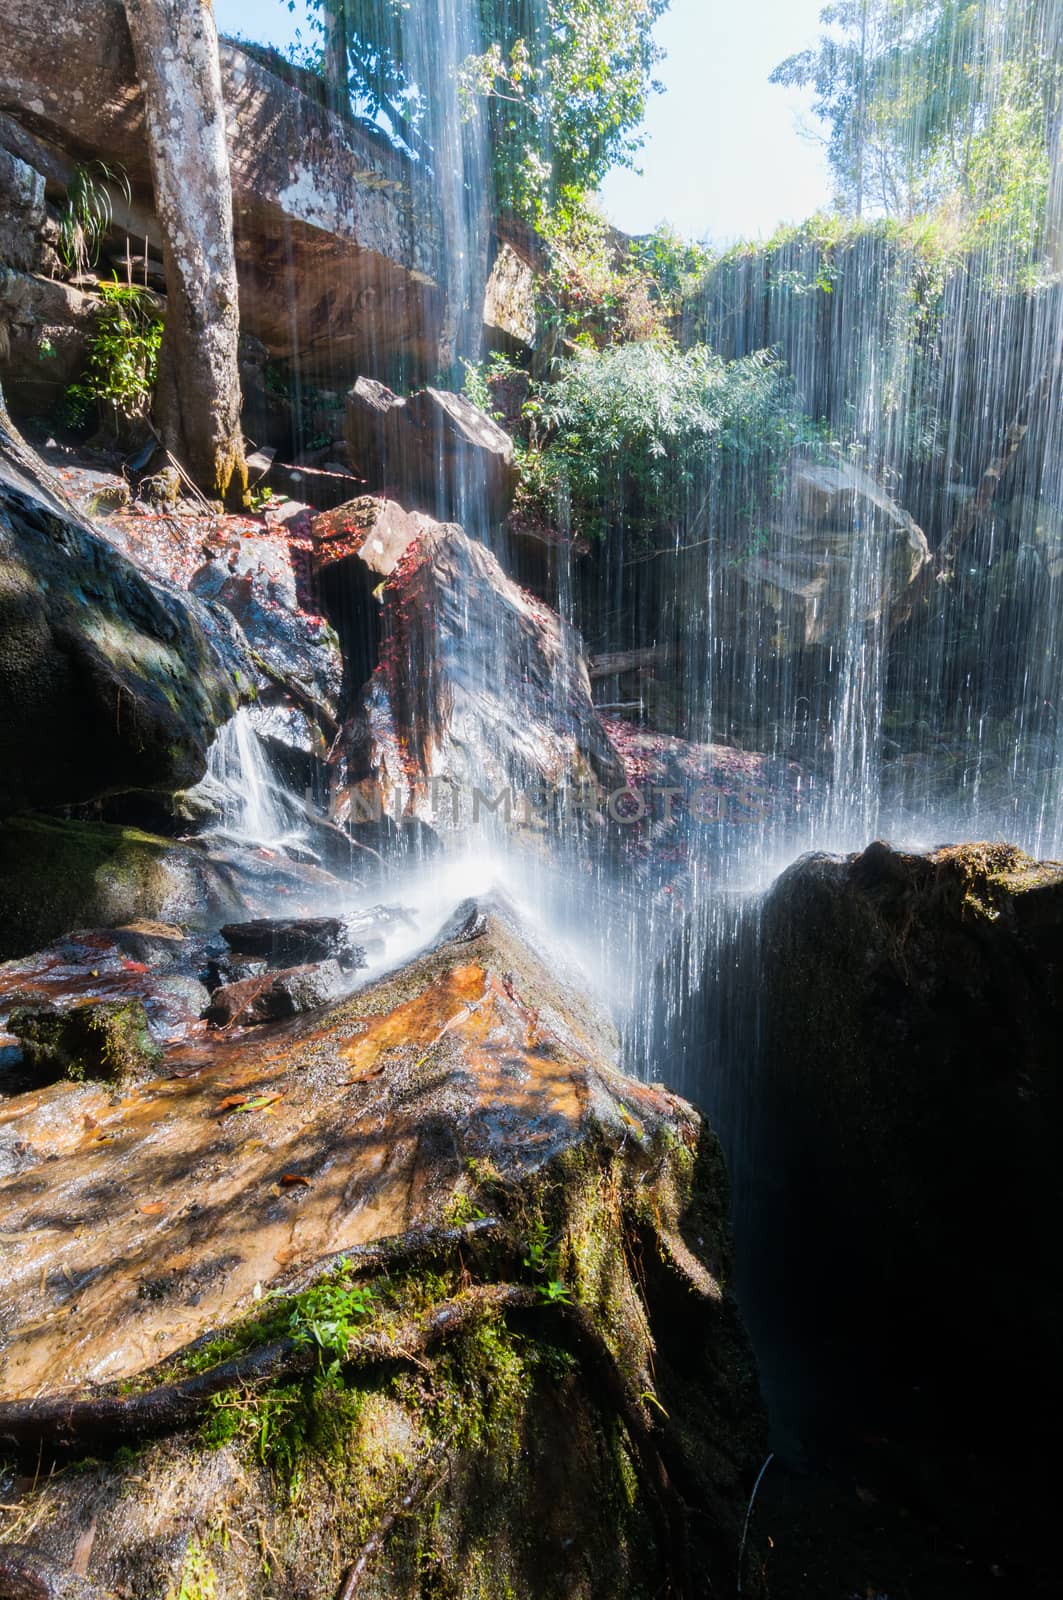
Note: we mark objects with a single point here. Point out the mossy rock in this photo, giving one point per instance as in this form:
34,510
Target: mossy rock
109,681
497,1270
57,876
99,1039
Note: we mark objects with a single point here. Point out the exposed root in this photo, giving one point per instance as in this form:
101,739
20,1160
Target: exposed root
26,1574
400,1249
89,1420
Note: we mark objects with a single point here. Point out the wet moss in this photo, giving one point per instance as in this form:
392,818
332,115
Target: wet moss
56,876
99,1039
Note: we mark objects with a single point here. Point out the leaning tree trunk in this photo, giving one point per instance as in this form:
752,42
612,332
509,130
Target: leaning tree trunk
197,400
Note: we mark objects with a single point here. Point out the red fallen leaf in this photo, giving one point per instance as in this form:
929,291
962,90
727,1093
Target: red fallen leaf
134,966
291,1179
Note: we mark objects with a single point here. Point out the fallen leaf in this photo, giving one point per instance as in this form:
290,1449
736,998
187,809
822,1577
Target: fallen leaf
134,966
290,1179
363,1077
153,1208
248,1102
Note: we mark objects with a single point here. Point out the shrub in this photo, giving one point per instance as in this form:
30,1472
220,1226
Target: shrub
123,357
630,434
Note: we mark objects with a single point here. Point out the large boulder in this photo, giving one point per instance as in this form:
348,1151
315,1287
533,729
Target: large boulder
478,685
424,1284
842,553
56,876
435,451
108,681
273,996
913,1008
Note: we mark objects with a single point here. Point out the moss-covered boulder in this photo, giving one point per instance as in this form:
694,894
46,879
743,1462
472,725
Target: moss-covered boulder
104,1039
109,681
56,876
420,1297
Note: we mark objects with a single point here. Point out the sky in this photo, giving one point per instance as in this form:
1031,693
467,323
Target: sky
724,158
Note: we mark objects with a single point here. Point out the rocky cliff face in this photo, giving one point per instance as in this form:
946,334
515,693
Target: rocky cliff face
324,228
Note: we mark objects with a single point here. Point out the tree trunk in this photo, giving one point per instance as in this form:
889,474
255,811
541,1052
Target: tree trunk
337,68
197,401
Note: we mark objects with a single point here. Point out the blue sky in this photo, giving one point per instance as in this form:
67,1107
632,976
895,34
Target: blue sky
723,158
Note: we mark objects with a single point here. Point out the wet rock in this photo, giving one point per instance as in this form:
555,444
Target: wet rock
296,653
509,304
275,996
843,554
370,531
22,212
108,681
284,942
479,686
436,451
461,1132
158,970
914,1007
57,876
714,792
107,1039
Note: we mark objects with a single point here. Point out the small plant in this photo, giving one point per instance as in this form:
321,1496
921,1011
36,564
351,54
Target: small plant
87,213
328,1315
538,1247
544,1261
554,1293
123,357
462,1210
198,1581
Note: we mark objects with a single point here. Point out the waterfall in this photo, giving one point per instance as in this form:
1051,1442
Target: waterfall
252,805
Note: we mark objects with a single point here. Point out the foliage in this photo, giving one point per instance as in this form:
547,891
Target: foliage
565,84
627,434
940,105
314,1413
674,264
561,84
327,1316
198,1581
600,288
86,214
123,356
